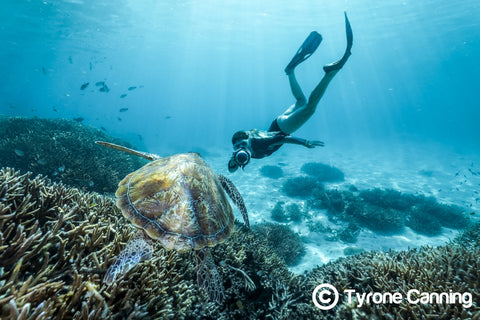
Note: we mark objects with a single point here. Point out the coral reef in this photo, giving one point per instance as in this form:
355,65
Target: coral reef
388,211
64,151
293,212
425,269
56,244
301,187
283,241
273,172
286,213
278,212
323,172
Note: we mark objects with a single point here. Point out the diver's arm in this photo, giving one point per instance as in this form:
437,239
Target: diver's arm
302,142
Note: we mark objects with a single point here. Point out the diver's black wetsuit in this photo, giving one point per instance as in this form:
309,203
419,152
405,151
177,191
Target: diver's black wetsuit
264,147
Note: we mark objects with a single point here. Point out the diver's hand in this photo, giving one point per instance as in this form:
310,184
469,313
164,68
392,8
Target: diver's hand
314,143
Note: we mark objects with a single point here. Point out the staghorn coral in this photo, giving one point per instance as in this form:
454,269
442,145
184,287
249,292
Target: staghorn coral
283,241
64,240
56,244
64,151
426,269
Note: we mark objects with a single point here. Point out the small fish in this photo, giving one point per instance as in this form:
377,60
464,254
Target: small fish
19,152
84,86
473,172
123,109
100,83
103,128
472,213
140,137
119,119
168,117
11,107
44,71
54,108
70,59
123,95
78,119
131,88
42,162
456,174
104,88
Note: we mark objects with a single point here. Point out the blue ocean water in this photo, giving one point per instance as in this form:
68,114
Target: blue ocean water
205,69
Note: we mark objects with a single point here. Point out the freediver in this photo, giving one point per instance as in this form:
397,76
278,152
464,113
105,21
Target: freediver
258,144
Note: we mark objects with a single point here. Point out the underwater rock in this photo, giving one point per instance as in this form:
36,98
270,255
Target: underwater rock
44,146
323,172
273,172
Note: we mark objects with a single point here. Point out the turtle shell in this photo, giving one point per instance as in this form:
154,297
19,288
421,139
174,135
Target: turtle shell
178,201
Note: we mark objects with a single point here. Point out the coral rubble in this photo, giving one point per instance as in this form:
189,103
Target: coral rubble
64,151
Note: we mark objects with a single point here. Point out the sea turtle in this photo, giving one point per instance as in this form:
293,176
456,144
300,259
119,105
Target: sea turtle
181,203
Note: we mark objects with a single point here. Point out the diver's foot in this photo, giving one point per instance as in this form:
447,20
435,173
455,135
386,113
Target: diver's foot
337,65
307,48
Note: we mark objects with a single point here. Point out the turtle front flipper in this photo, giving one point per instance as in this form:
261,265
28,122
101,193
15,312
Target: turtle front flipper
208,277
137,250
236,197
146,155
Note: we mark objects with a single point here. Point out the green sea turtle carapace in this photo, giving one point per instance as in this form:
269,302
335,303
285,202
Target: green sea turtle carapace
179,202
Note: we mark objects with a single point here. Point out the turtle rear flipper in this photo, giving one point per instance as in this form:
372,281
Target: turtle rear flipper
208,277
137,250
236,197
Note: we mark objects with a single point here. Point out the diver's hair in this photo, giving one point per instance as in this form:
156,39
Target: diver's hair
239,135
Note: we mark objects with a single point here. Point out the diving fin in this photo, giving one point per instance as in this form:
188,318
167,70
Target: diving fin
307,48
337,65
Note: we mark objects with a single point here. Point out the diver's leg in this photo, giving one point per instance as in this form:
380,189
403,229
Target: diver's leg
296,90
319,91
292,119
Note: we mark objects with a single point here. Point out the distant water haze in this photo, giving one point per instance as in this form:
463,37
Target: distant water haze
205,69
